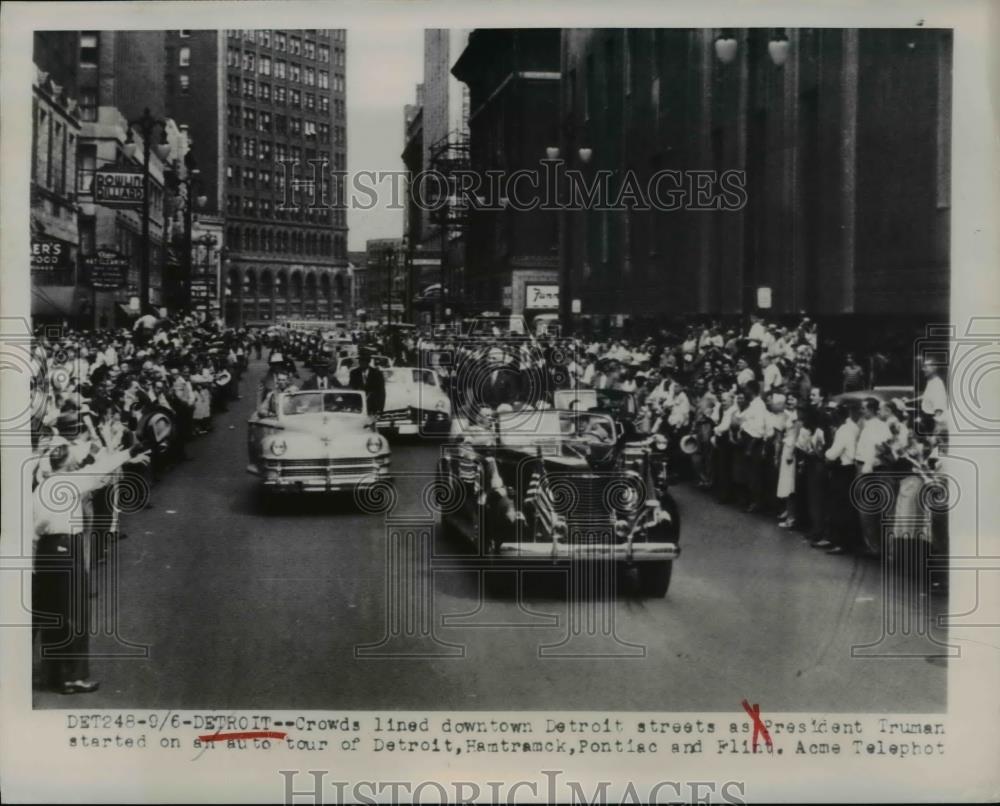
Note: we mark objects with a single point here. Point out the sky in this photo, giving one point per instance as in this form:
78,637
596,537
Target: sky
384,66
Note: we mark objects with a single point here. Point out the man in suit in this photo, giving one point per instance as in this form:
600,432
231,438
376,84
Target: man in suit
368,379
323,379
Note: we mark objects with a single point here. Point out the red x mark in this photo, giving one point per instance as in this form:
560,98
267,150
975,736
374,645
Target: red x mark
758,726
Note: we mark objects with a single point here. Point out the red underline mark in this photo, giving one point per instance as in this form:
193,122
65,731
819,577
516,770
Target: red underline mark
758,726
248,734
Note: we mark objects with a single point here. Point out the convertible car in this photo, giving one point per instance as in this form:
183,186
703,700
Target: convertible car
415,403
322,441
555,485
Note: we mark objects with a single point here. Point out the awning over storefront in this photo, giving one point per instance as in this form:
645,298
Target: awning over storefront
58,301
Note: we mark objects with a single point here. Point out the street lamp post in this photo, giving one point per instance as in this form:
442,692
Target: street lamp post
146,126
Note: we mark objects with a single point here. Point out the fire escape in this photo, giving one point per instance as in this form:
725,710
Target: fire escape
448,156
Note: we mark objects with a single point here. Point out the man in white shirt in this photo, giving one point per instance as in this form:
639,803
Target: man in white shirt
60,591
875,433
934,400
843,520
754,430
771,375
744,373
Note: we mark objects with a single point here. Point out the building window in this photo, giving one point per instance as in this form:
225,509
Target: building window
294,72
88,47
295,46
310,75
280,95
279,68
233,115
295,126
265,175
294,98
232,57
265,92
309,129
309,49
249,148
249,35
88,105
249,118
279,41
183,34
249,88
184,57
248,62
324,54
310,100
233,204
86,167
233,85
324,80
265,121
184,84
264,68
265,151
280,124
264,38
249,177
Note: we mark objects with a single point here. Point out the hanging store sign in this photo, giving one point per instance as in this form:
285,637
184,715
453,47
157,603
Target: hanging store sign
49,254
107,269
118,187
541,297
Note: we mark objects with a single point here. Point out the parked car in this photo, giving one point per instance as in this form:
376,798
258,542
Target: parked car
415,403
547,486
315,441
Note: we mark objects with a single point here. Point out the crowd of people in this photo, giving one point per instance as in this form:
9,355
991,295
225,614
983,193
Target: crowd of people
745,420
111,412
738,407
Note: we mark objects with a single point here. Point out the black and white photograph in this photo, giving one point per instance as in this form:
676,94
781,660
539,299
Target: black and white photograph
397,369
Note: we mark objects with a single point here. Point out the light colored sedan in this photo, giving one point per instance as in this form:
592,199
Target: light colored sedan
415,403
315,441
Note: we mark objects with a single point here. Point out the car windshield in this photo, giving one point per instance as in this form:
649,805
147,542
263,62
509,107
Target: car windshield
322,402
424,376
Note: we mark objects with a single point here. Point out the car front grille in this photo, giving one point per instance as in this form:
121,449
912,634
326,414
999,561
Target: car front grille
292,468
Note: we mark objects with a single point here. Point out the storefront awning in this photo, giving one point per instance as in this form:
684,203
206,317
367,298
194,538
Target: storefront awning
56,301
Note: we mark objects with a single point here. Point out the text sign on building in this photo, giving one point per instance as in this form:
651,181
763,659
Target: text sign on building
107,269
541,297
48,254
118,187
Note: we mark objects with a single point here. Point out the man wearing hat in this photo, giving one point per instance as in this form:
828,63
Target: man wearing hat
276,364
61,601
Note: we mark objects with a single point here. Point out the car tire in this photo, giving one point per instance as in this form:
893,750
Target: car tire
654,578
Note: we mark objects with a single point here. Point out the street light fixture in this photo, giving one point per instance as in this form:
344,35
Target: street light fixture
585,154
552,152
778,48
725,46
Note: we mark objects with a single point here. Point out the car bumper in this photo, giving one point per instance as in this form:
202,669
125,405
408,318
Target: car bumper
416,423
319,482
635,553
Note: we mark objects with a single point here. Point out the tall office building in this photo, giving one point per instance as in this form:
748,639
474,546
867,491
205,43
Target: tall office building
260,104
436,140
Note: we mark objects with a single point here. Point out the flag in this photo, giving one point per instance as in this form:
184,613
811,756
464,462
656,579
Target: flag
539,498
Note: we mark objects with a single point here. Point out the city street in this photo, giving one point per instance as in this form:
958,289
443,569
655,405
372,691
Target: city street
245,609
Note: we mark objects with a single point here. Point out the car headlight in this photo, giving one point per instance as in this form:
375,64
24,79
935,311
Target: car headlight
441,405
660,442
374,444
279,447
